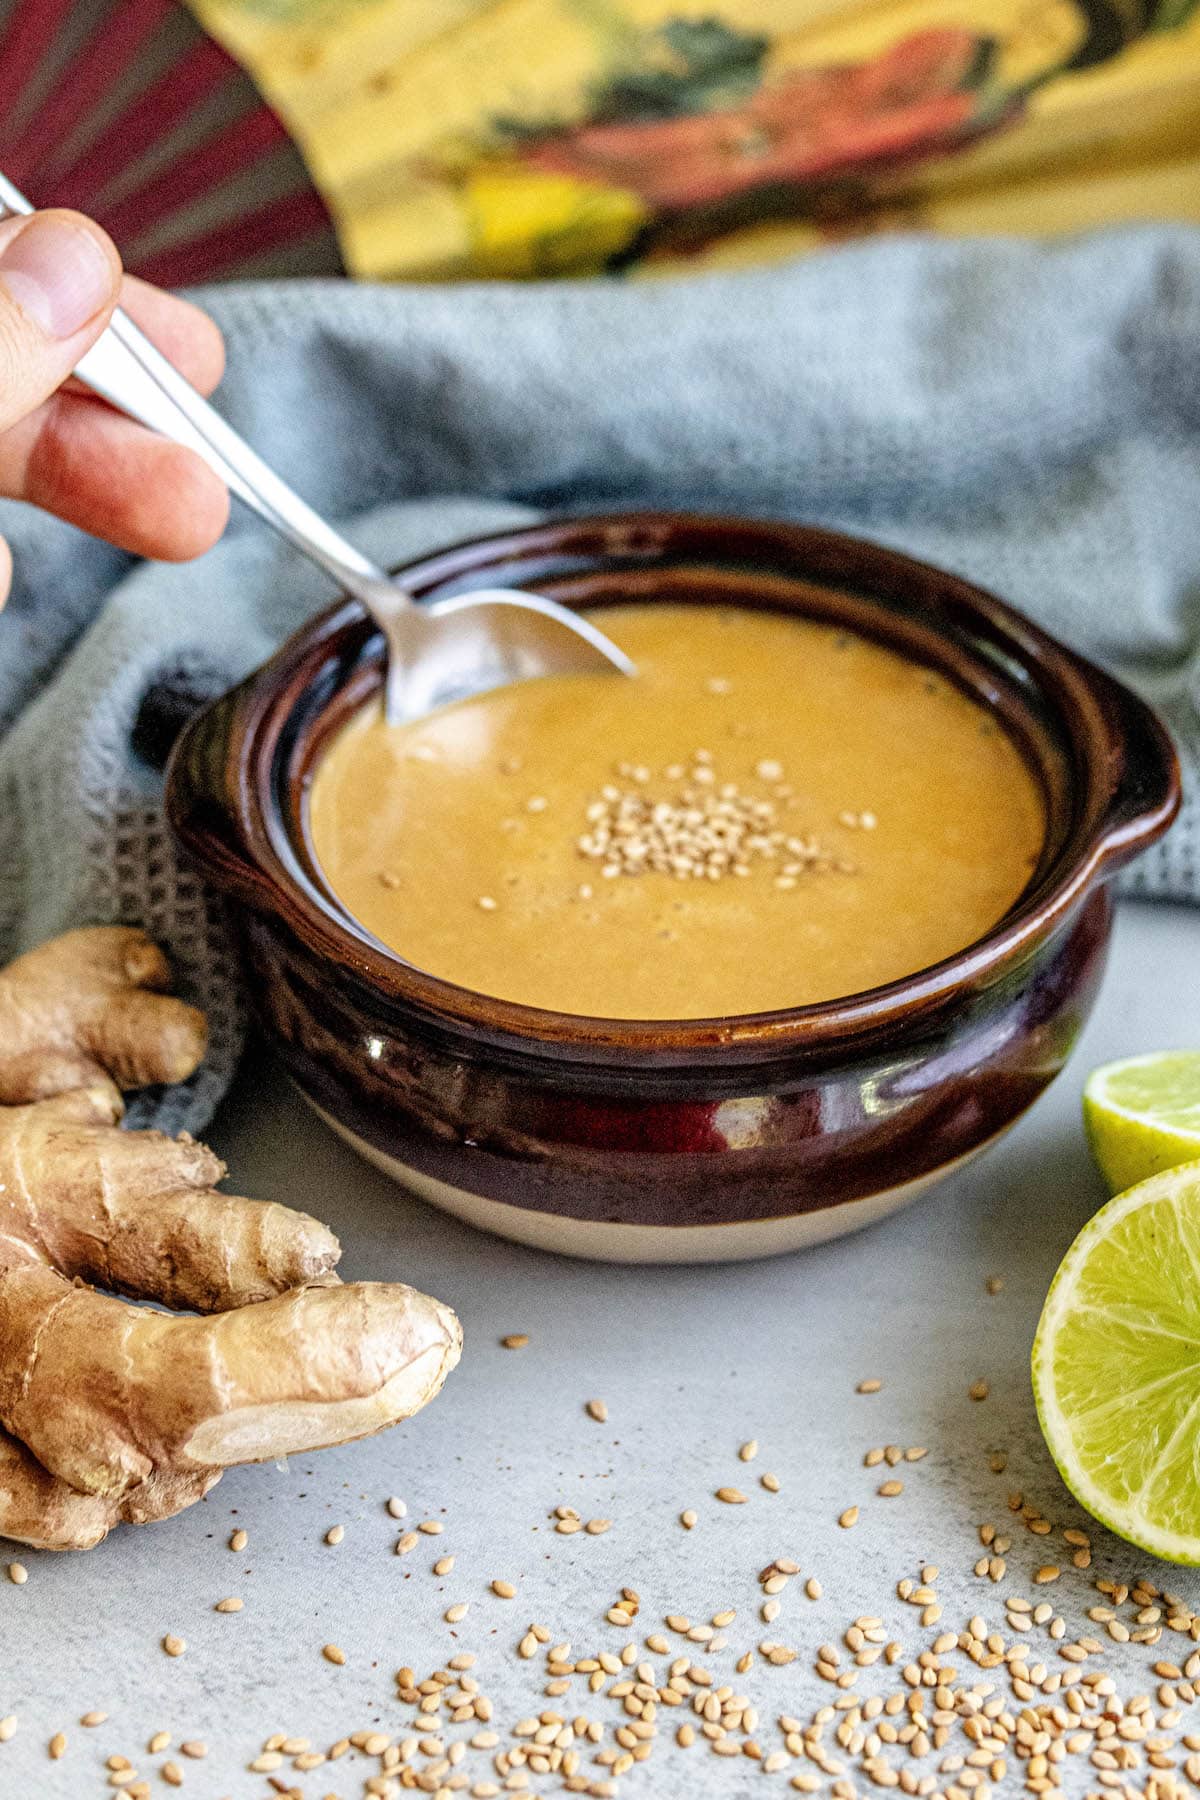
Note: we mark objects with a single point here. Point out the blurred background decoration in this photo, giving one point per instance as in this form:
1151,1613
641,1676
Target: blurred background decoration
129,110
435,139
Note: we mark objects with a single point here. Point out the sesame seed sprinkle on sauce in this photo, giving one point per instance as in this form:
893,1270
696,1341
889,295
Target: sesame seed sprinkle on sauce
706,829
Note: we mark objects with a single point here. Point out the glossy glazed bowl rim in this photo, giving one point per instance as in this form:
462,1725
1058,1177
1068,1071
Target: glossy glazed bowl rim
254,855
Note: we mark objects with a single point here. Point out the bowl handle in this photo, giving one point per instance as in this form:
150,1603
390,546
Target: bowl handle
202,787
1148,789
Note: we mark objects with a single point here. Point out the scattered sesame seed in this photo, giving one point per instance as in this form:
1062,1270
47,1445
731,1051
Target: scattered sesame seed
596,1409
18,1573
91,1719
749,1450
516,1340
231,1605
8,1727
174,1646
431,1527
58,1745
871,1385
770,1482
408,1542
239,1539
158,1742
970,1725
397,1508
978,1390
486,903
731,1496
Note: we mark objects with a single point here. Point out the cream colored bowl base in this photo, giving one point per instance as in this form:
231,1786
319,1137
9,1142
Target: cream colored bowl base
739,1241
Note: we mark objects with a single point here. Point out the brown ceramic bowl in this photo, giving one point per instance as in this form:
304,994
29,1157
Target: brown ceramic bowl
705,1139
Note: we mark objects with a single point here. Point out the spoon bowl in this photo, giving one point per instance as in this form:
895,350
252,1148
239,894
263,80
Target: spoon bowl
447,649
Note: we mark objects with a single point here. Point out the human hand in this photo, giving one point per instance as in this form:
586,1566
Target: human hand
63,449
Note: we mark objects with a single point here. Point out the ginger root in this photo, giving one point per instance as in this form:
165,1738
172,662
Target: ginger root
118,1412
135,1212
89,1009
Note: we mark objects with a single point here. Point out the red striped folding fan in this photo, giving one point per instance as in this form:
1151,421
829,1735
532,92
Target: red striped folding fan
127,111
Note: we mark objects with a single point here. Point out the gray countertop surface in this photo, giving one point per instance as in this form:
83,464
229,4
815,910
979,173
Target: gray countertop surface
691,1362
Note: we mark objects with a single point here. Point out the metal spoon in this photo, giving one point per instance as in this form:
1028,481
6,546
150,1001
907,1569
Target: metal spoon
436,651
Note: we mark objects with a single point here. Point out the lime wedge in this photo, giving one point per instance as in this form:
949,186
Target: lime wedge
1116,1365
1143,1115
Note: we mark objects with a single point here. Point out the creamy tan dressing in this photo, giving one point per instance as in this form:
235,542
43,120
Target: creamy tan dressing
907,823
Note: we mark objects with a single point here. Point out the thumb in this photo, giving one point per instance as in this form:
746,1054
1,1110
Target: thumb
59,280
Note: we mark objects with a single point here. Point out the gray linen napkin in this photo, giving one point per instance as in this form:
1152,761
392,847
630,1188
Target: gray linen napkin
1026,415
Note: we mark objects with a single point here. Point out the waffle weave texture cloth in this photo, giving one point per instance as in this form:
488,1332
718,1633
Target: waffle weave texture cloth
1028,416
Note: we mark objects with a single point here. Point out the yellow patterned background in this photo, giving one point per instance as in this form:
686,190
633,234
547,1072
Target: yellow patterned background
540,137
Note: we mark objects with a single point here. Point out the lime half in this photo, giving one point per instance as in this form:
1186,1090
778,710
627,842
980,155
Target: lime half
1116,1365
1143,1115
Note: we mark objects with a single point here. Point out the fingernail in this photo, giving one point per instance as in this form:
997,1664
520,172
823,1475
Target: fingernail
58,274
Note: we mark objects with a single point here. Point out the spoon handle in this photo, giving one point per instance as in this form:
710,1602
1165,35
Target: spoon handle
126,369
